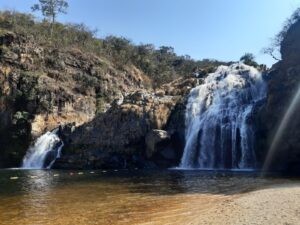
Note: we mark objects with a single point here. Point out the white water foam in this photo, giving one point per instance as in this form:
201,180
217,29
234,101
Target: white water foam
219,129
36,155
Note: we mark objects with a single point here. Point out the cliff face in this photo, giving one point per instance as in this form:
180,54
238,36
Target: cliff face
283,83
146,130
111,116
106,110
42,88
73,79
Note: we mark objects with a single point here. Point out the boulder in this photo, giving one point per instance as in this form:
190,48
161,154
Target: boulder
153,139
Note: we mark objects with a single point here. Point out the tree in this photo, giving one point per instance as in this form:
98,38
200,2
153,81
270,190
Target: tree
50,9
247,57
270,51
166,50
274,49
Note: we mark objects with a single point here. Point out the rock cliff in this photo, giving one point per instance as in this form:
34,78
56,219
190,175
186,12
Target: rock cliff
43,87
111,111
283,83
105,110
146,130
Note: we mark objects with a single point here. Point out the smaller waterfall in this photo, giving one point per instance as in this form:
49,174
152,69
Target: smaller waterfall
44,152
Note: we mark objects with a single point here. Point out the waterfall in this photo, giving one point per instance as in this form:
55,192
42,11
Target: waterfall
219,131
44,152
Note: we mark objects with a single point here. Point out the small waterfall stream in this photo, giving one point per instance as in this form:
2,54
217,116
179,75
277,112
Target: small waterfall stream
44,152
219,130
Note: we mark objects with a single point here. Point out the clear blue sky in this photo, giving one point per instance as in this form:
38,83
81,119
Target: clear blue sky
220,29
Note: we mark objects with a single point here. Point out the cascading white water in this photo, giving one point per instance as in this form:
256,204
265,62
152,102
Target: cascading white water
46,144
219,133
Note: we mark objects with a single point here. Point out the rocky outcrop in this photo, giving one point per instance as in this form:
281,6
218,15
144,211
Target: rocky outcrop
106,111
146,130
42,87
283,83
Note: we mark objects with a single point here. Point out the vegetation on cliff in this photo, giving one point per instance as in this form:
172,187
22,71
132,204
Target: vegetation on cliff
274,49
67,74
161,65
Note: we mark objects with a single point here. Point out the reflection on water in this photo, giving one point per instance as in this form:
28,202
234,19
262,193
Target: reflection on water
123,197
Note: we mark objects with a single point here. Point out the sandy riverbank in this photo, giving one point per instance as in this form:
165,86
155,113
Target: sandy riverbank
275,205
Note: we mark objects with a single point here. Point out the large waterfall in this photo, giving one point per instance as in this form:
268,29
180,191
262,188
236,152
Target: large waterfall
219,129
44,152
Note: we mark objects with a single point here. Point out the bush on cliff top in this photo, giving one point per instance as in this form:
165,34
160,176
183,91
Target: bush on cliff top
162,65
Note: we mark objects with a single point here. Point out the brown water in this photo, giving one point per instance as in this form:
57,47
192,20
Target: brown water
118,197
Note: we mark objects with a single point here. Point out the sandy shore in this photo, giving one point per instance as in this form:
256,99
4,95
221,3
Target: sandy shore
276,205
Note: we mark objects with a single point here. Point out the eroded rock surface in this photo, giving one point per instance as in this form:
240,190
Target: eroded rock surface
123,133
43,87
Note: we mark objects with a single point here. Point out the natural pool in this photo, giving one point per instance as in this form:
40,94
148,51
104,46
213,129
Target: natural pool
121,197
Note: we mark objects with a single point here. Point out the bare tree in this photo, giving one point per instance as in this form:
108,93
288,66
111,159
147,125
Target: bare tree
274,48
270,51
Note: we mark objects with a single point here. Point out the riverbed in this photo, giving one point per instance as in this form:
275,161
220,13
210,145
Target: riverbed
147,197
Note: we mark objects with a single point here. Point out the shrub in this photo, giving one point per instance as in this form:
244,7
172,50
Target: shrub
161,65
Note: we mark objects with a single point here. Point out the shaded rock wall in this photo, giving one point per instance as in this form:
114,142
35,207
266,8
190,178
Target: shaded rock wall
283,83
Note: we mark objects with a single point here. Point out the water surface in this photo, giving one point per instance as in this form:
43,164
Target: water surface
119,197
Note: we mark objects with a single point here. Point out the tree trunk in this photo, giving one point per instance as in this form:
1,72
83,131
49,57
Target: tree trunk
52,26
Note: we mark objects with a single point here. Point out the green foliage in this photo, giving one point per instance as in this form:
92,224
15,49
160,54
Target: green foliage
32,74
100,104
3,32
161,65
51,8
249,59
